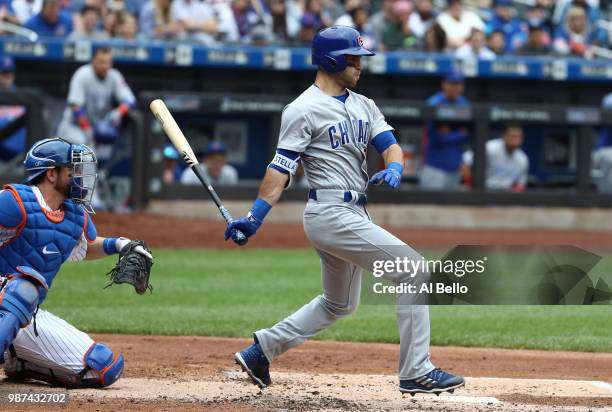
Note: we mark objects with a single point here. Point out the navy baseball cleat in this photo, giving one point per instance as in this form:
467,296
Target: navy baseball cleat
254,363
436,381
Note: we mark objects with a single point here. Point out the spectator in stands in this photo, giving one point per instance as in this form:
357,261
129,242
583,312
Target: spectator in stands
505,20
434,40
172,170
602,155
536,41
245,16
127,28
26,9
345,19
380,20
7,13
507,164
260,35
98,100
156,20
421,18
397,34
51,21
195,20
360,17
90,25
215,167
14,144
132,6
475,48
442,141
562,7
497,42
311,22
280,21
458,23
575,37
227,30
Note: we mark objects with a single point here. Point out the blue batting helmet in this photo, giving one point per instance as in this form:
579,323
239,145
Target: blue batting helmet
330,45
51,153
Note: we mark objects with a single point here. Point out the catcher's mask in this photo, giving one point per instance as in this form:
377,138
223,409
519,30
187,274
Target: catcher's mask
79,158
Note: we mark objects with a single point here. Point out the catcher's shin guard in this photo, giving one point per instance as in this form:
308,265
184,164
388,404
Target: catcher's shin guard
101,359
18,300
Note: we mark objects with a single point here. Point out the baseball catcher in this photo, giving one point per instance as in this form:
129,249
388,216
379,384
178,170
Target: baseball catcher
44,223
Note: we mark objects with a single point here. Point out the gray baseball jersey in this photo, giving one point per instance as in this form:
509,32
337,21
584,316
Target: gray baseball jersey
97,96
332,137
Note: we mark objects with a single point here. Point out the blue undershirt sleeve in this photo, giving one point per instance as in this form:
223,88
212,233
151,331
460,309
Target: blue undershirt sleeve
382,141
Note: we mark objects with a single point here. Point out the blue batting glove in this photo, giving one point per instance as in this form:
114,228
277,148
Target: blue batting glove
251,222
392,176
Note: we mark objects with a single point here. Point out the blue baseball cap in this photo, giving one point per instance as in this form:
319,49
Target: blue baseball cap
171,153
454,75
215,147
7,64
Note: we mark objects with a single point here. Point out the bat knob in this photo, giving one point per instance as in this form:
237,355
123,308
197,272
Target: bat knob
239,238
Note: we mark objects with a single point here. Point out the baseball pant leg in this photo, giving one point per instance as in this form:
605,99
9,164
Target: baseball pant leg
347,232
49,349
341,282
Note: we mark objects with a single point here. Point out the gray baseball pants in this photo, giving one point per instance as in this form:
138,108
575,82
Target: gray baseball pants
347,241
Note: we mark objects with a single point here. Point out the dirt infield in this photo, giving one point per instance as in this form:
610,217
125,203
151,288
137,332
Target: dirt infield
170,232
196,373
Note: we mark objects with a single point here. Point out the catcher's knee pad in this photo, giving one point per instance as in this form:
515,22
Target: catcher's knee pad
101,359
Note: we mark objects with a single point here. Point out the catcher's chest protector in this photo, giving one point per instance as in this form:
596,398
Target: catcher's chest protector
40,243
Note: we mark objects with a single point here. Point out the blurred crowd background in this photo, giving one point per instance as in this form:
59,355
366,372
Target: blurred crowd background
482,28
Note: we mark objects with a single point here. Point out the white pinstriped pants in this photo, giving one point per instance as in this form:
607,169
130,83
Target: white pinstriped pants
58,349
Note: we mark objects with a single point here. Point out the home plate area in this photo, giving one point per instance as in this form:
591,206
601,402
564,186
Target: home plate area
306,391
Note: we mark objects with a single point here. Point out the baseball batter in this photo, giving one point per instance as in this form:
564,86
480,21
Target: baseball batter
43,224
328,128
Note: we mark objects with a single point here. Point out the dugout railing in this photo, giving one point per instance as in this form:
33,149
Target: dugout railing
584,120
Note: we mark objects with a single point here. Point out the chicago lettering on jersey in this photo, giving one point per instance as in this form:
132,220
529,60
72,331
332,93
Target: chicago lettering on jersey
339,133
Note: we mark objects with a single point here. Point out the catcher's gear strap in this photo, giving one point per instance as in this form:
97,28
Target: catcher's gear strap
101,359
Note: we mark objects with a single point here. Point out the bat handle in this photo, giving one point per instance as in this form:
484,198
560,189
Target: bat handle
237,236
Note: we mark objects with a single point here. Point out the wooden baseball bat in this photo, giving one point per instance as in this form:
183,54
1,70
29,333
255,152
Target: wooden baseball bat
176,136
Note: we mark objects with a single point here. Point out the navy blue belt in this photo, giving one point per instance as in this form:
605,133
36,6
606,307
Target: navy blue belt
331,195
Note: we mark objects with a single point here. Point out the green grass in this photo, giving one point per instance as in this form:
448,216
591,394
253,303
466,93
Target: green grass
232,293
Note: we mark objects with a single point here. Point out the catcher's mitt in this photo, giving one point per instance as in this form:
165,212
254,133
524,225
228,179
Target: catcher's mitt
133,267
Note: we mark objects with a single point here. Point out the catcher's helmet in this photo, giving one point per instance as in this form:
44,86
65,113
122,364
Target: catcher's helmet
50,153
330,45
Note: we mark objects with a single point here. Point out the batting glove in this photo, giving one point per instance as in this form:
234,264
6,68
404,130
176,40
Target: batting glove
392,176
249,224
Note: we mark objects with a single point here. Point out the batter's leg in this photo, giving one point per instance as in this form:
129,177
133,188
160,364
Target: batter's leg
341,283
52,350
348,233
